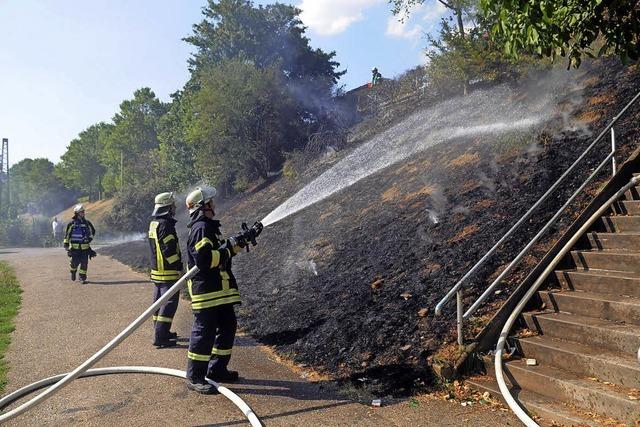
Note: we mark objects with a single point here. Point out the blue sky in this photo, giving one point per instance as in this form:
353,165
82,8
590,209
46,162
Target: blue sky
67,64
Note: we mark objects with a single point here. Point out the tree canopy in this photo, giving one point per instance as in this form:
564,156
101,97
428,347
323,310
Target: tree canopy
267,36
568,28
35,187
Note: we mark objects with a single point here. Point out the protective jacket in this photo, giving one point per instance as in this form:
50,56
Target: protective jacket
78,234
214,285
166,259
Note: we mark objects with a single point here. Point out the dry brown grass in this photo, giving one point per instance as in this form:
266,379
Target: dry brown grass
466,232
464,160
605,99
95,211
469,186
424,191
484,204
590,116
393,193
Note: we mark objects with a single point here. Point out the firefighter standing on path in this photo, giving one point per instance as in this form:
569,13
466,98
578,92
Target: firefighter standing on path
166,266
77,238
214,292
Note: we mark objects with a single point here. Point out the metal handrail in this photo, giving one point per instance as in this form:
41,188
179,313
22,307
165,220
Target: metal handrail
457,288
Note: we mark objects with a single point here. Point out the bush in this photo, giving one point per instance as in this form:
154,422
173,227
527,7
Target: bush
25,231
132,209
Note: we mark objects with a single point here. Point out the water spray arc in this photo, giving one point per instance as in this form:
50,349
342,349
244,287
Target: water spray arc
83,370
481,113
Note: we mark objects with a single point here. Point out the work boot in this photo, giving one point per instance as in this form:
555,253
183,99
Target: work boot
164,343
84,281
201,387
173,336
223,376
73,276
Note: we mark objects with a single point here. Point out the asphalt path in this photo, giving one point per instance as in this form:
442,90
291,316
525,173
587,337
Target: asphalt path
62,323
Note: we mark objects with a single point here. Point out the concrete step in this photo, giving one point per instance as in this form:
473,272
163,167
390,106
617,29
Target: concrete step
622,369
605,400
551,412
632,194
619,223
600,281
628,241
591,331
627,207
607,260
609,307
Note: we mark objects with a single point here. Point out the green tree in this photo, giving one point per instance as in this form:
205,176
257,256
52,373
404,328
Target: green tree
245,119
80,168
36,188
269,36
131,138
567,28
177,155
462,10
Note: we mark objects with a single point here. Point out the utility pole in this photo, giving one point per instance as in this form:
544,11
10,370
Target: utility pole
4,175
121,168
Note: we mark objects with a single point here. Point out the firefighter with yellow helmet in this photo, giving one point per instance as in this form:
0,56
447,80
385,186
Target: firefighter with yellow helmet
166,266
214,293
77,238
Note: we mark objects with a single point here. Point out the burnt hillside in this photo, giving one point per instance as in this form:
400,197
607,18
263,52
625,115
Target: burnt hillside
348,285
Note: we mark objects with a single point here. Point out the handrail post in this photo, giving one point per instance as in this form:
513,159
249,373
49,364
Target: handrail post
613,149
460,317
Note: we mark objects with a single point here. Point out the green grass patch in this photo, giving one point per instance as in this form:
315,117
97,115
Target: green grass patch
9,304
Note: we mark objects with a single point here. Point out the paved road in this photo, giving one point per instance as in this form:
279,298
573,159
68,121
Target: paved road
61,323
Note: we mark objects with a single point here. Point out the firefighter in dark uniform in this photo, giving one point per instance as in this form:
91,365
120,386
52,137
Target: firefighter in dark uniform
77,238
214,293
166,266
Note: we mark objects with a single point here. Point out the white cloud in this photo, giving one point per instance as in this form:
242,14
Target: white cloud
329,17
405,26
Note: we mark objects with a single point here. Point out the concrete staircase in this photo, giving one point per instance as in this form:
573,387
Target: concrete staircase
585,333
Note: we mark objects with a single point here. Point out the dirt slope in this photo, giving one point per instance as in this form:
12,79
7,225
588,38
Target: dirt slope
95,212
349,284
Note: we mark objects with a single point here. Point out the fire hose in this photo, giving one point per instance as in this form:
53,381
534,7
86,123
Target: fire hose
60,381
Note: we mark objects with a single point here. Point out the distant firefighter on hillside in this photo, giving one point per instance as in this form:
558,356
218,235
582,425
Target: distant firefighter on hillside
77,238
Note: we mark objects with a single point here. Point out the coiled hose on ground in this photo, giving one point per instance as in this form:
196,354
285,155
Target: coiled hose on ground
60,381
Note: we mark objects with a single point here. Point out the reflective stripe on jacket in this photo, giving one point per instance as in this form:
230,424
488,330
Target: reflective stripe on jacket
214,285
166,259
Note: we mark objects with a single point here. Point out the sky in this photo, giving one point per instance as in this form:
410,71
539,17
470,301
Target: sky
68,64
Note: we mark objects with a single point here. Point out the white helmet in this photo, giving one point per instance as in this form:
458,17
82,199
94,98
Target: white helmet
199,197
78,208
162,203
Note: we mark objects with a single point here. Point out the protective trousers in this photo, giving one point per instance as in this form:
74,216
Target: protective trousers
164,316
212,335
80,258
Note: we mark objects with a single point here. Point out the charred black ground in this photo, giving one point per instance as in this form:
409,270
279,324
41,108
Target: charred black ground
382,264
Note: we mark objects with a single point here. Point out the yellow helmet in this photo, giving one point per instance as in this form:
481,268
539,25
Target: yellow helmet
163,202
199,197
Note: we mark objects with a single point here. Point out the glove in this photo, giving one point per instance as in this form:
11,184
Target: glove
66,246
68,253
238,240
92,254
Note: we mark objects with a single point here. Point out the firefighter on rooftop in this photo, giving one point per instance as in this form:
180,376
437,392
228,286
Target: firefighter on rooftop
214,293
77,238
166,266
